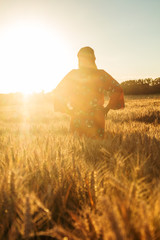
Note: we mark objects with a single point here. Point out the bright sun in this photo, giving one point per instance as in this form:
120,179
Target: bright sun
32,57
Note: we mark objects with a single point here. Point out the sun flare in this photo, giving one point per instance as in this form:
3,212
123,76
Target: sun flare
33,58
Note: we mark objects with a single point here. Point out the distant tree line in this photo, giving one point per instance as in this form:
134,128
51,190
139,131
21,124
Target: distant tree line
130,87
11,98
20,99
141,86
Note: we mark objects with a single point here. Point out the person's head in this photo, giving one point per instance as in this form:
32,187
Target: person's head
86,58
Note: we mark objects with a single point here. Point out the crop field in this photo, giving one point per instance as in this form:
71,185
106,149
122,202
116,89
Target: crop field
55,185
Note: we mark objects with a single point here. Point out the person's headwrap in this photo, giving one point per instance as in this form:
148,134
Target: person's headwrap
87,52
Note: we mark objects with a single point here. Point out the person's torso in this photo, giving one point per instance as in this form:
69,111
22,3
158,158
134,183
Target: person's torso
87,86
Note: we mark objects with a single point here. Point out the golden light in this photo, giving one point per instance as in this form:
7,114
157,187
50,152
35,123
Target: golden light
33,57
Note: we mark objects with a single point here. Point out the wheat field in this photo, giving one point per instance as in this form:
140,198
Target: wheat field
55,185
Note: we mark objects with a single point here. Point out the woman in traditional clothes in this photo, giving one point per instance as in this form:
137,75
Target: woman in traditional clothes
81,95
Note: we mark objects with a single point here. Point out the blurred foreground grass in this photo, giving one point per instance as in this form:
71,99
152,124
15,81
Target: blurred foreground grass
54,185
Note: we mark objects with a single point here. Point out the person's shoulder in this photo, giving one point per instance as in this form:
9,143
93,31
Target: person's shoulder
103,72
73,73
70,75
105,75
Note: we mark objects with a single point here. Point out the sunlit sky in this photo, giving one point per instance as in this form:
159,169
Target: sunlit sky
39,40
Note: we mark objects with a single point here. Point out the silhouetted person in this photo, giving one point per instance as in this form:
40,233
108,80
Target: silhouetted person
81,95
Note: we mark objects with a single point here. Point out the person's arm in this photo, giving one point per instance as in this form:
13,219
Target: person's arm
62,94
116,95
